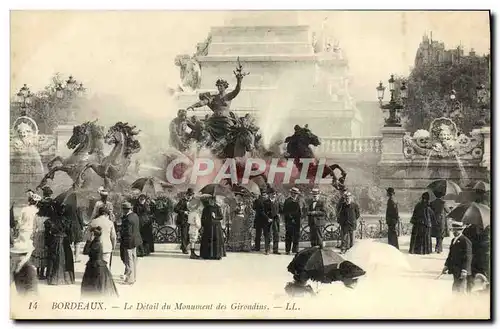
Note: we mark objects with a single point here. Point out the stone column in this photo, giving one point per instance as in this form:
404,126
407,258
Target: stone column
63,134
486,132
392,145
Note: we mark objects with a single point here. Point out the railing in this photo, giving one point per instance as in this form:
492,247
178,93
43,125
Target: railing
331,232
351,145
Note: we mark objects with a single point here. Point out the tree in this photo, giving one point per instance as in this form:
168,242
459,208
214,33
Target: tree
46,108
430,86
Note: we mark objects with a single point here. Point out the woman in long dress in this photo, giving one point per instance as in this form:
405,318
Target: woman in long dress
212,239
240,238
61,267
422,219
97,280
143,210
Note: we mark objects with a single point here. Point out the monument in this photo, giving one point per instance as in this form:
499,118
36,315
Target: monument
290,74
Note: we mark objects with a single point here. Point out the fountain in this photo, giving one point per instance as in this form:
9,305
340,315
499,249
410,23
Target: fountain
441,152
26,168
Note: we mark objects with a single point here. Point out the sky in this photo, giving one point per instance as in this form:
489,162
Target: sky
131,54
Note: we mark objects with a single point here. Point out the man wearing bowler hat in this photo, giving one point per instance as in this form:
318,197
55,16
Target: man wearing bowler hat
392,218
316,217
182,211
292,211
130,240
348,215
459,259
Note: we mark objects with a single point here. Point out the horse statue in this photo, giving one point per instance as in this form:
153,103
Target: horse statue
114,166
87,140
298,148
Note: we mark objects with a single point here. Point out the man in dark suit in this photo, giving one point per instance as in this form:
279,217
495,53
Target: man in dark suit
439,226
348,214
459,259
181,209
262,222
292,211
392,218
316,217
130,239
272,208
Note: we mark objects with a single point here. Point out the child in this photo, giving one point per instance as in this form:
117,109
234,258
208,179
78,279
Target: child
194,222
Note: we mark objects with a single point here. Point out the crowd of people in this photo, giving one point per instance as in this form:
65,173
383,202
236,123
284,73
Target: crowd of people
468,259
51,236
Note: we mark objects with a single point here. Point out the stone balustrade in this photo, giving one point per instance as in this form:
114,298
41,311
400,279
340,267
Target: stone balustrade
350,145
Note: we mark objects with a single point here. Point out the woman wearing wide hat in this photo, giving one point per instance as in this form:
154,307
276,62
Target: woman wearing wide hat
23,272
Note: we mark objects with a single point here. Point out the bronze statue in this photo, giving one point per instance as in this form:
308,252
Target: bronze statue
114,166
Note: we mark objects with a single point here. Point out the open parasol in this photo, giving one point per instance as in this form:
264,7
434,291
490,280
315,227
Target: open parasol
75,202
323,265
214,190
444,188
377,256
472,213
150,185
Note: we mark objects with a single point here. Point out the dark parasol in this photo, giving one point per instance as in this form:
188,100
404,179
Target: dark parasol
323,265
150,186
472,213
444,188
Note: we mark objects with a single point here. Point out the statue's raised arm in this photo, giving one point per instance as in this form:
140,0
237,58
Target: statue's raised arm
239,74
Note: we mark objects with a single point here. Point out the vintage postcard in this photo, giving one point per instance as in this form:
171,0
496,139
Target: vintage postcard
250,165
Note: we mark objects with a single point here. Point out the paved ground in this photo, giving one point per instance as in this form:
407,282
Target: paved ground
169,277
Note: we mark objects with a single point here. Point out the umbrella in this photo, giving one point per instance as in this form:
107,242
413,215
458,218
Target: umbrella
481,186
244,190
443,187
76,202
252,187
150,185
260,181
373,255
323,265
472,213
214,189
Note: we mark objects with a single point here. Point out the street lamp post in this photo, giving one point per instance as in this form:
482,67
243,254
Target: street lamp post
71,90
24,99
393,106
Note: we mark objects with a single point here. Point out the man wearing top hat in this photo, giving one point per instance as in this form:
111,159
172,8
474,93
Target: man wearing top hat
130,236
262,222
392,218
292,211
459,259
316,217
182,211
272,208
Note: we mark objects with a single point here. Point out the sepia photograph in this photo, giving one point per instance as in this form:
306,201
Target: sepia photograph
251,165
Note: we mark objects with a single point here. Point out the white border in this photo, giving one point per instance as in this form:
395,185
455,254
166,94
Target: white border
182,5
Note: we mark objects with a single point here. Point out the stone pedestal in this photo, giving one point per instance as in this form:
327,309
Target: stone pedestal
486,161
392,145
63,134
284,74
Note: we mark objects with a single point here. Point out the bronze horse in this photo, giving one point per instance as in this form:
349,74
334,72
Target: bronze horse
87,140
114,166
